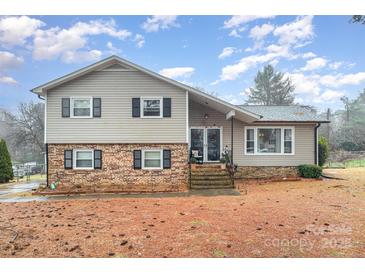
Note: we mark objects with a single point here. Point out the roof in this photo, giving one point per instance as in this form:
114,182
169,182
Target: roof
214,102
296,113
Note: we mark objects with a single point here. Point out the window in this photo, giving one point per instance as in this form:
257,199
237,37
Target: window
151,107
152,159
288,142
269,140
81,107
83,159
250,140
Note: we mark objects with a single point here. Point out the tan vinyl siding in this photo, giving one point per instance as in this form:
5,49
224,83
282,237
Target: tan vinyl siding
304,139
116,125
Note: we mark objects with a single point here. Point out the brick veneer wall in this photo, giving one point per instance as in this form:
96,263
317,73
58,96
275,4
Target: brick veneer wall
117,173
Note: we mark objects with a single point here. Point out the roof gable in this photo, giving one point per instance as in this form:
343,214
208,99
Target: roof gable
114,61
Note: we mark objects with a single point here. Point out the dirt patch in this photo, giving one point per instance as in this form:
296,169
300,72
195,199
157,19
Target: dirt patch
277,219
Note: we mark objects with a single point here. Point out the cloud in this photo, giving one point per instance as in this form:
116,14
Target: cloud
139,39
305,84
234,33
157,22
342,79
335,65
15,30
177,72
295,33
8,80
238,20
314,64
227,51
81,56
64,43
331,95
308,55
259,32
112,48
9,61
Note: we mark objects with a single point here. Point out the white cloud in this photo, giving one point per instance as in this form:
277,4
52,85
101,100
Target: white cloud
15,30
294,33
56,42
231,98
157,22
112,48
238,20
335,65
342,79
227,51
308,55
259,32
234,33
314,64
9,61
305,84
177,72
139,39
8,80
331,95
81,56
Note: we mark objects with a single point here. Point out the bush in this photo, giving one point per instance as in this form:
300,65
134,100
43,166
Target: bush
310,171
6,169
323,149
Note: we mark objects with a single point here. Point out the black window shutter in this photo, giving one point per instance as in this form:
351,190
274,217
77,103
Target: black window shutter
137,159
136,107
68,159
96,107
97,159
65,107
166,158
166,107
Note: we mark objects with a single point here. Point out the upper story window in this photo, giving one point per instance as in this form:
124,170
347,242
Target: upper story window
269,140
81,107
151,107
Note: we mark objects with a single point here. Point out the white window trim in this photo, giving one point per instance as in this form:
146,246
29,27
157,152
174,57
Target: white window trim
282,140
81,150
72,99
152,150
151,98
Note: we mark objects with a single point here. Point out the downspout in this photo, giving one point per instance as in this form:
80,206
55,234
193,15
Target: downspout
232,141
316,143
47,164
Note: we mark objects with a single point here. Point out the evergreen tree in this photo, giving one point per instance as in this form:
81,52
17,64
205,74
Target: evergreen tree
6,170
271,88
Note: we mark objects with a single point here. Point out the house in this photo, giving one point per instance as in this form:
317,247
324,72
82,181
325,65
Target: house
116,126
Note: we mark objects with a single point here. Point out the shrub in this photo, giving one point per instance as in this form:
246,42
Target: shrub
6,169
310,171
323,149
193,160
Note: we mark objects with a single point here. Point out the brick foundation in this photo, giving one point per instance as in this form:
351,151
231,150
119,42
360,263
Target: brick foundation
266,172
117,173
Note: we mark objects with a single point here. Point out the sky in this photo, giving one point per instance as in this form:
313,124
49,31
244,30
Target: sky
323,55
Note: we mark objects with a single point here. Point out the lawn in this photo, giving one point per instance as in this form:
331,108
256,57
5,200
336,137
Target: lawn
281,219
347,164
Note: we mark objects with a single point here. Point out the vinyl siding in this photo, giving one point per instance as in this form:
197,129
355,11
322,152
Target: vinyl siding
116,125
304,139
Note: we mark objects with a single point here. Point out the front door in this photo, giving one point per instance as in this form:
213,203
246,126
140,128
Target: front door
205,144
213,144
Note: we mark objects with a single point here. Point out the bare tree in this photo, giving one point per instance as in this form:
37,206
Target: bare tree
26,127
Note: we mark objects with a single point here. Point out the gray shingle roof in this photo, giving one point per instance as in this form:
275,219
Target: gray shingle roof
284,113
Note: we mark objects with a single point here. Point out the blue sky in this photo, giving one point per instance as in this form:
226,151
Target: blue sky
323,55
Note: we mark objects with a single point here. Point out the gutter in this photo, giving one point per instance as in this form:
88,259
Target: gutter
316,143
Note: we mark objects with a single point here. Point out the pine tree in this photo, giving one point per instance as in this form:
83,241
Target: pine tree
6,170
271,88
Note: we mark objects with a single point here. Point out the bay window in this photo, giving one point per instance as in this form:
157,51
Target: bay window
267,140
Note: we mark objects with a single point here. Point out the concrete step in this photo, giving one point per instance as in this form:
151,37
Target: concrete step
211,187
212,177
209,172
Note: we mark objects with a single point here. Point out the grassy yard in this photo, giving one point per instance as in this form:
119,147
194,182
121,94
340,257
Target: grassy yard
281,219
